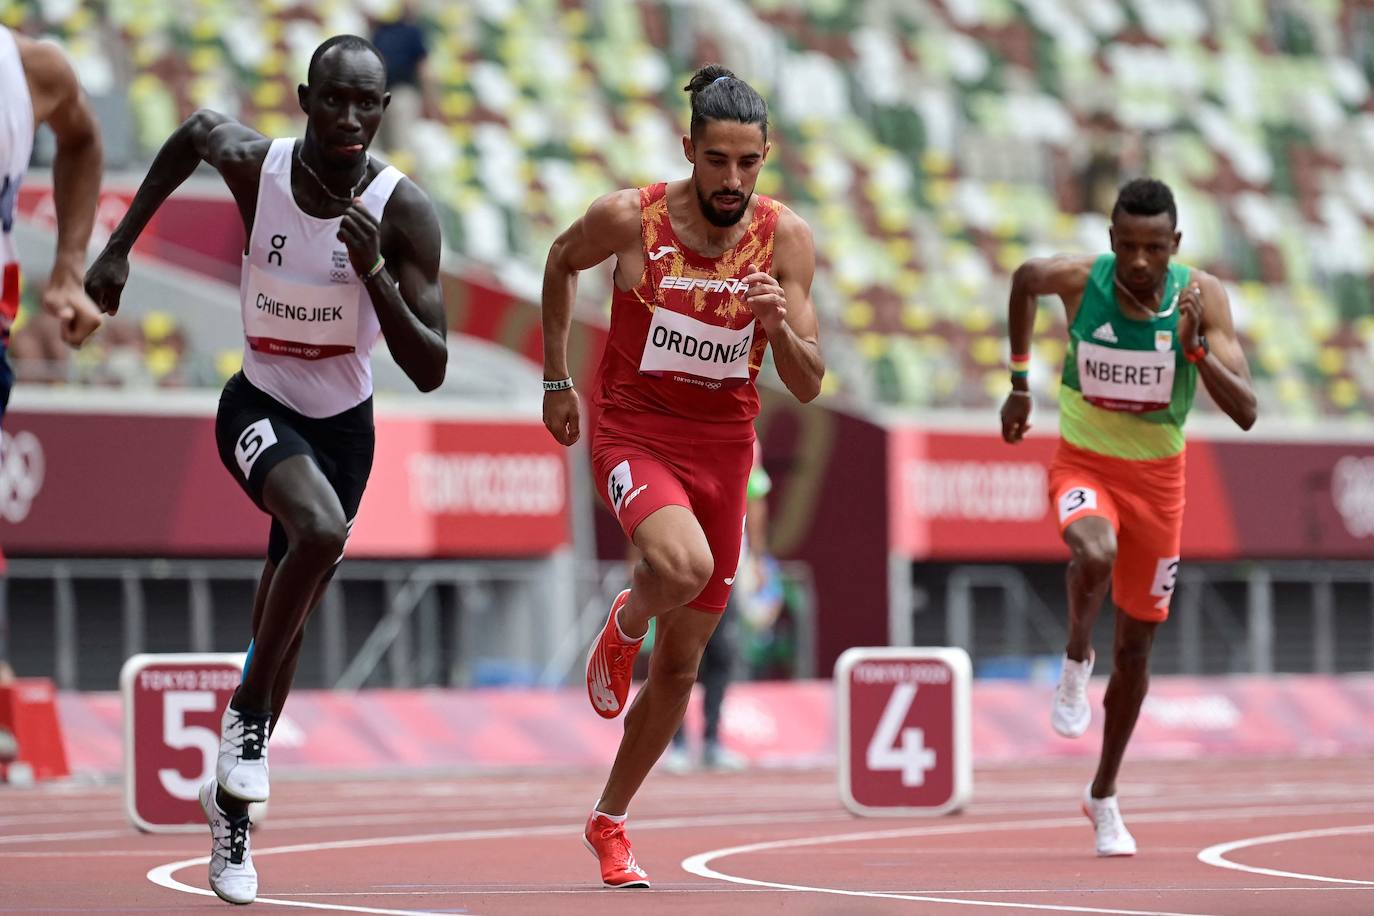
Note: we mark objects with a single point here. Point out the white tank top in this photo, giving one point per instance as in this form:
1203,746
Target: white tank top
16,145
308,321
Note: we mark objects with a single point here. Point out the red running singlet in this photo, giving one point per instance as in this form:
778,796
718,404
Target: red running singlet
683,344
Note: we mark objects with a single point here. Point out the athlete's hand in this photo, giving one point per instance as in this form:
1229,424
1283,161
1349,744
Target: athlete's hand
1016,411
1190,318
67,301
766,300
563,415
105,280
362,236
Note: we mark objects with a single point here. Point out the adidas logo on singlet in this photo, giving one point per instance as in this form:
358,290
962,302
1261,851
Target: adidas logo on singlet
1105,333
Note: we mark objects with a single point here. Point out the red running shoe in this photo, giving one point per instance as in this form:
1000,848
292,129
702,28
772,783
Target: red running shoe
607,841
610,664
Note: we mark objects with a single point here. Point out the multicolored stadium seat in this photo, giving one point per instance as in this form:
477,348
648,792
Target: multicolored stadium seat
932,144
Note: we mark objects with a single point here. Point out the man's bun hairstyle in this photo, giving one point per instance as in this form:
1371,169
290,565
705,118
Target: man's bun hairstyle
719,95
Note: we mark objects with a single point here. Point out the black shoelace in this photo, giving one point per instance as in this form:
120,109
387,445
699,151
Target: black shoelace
236,840
254,735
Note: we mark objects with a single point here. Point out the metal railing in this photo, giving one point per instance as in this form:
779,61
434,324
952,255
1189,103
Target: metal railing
1223,618
436,622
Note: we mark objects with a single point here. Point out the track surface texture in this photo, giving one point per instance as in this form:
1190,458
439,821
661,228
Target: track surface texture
1216,837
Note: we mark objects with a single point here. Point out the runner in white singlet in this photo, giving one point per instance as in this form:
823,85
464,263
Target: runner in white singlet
341,250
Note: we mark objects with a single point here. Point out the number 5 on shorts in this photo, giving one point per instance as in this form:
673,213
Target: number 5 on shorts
252,442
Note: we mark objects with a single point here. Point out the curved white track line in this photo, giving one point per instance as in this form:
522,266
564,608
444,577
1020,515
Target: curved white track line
1216,855
700,865
162,874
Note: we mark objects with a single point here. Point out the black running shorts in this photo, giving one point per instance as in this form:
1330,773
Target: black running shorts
255,432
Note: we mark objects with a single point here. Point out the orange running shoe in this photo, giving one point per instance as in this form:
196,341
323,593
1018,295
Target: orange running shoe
610,664
607,841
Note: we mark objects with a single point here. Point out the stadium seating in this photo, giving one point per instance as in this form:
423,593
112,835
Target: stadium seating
932,145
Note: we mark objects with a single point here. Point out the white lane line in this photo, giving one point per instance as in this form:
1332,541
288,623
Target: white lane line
91,854
1216,855
698,889
700,864
162,874
59,837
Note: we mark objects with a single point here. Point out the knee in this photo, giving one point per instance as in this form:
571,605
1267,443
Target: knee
683,571
319,537
1095,558
675,675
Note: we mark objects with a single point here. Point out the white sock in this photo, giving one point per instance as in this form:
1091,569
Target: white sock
613,818
621,633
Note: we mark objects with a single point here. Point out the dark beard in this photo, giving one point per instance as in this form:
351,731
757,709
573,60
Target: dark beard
716,217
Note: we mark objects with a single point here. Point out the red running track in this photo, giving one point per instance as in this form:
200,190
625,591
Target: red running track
1280,837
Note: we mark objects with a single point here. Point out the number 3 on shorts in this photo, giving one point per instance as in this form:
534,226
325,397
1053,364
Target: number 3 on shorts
252,442
1075,500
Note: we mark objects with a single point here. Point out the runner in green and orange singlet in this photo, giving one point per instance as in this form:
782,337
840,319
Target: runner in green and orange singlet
1141,333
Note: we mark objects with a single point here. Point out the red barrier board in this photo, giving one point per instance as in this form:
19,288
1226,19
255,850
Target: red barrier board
440,487
904,726
28,711
172,709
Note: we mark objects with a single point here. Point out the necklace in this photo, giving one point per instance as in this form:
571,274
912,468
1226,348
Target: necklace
1155,315
320,181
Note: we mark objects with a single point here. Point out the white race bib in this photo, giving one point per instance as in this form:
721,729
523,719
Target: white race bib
680,345
292,319
1128,380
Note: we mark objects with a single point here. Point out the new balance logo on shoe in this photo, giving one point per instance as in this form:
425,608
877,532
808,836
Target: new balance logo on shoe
1105,333
602,697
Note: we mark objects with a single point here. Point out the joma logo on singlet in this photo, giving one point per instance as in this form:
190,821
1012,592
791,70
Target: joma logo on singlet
734,287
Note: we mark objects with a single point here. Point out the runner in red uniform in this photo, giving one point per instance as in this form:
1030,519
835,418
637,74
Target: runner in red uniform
708,274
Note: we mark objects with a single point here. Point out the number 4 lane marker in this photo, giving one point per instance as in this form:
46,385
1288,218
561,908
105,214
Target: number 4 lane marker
913,758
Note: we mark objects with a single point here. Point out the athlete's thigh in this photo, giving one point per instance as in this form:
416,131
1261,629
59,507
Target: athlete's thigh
298,494
1078,492
254,435
1147,562
719,490
345,446
634,481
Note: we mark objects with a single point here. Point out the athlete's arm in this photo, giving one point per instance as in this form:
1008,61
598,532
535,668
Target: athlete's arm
783,306
59,102
206,136
410,309
1205,311
1065,276
609,227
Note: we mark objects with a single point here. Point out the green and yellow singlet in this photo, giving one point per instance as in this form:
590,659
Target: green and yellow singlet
1127,387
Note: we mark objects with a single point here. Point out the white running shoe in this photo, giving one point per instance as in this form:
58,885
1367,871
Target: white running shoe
242,766
232,876
1113,839
1071,713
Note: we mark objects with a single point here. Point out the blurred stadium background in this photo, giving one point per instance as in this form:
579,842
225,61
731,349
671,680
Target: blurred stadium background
932,144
